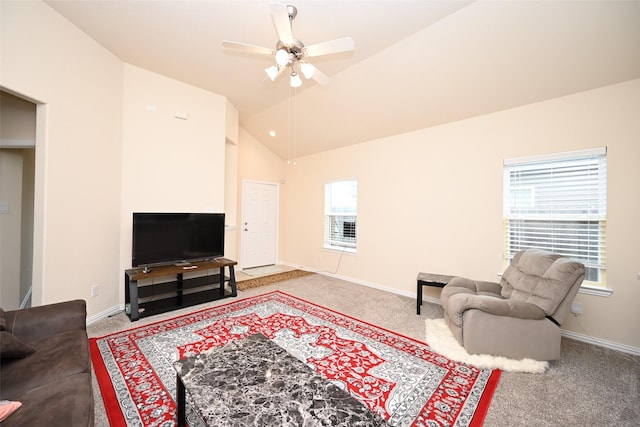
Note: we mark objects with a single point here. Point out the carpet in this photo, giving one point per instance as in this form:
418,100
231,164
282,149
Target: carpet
441,340
271,279
395,376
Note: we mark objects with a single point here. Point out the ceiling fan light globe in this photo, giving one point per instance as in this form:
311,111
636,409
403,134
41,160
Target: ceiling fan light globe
295,80
272,72
307,69
282,57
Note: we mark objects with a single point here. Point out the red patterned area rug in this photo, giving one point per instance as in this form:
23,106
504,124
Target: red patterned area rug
395,376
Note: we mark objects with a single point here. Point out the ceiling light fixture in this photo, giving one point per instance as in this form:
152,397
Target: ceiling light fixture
307,69
282,57
272,72
295,80
290,51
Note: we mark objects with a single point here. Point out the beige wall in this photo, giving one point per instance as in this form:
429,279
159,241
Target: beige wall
257,163
17,121
11,161
16,224
26,231
17,130
231,198
231,182
169,164
431,200
108,145
77,85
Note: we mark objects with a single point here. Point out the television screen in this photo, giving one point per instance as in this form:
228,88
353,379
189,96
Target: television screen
165,238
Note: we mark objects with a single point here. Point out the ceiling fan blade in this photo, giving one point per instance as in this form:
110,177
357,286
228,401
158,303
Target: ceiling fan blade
321,77
249,48
309,71
280,17
326,48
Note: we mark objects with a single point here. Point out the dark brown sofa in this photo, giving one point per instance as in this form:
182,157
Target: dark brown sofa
46,365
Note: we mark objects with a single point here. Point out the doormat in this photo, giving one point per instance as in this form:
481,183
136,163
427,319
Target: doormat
271,279
260,271
397,377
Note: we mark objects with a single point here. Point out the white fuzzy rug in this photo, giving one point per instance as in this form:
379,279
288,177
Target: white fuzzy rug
441,340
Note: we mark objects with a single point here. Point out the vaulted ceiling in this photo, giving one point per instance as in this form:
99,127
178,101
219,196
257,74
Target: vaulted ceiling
416,64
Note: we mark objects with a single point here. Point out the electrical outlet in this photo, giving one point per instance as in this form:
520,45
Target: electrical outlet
95,290
576,308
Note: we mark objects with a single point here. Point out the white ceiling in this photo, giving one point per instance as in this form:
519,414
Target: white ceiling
416,64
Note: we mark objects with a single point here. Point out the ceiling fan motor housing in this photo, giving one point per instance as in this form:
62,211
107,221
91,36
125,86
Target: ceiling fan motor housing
295,49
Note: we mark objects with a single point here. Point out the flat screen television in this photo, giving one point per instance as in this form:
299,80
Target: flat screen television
169,238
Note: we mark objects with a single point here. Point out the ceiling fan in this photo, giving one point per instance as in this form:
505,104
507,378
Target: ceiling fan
290,52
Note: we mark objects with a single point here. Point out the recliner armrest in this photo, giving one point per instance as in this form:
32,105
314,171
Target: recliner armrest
462,285
478,286
459,303
35,323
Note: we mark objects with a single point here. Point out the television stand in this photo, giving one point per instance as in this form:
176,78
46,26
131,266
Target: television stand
185,288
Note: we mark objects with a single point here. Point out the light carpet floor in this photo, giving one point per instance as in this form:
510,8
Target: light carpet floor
588,386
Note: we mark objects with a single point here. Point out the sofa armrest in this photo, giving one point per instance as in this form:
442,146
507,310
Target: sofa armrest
35,323
460,303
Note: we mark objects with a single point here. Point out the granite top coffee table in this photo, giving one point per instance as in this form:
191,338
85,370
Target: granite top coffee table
255,382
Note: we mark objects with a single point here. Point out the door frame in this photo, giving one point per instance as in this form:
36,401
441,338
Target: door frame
32,263
243,239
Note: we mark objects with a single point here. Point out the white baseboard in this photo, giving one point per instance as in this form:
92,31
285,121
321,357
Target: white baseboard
105,313
602,342
569,334
371,285
356,281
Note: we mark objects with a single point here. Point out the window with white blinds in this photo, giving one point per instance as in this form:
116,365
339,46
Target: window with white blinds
341,215
559,203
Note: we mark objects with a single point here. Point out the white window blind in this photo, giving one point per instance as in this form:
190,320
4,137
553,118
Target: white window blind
559,203
341,215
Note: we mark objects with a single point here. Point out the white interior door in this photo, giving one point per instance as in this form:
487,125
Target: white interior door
259,223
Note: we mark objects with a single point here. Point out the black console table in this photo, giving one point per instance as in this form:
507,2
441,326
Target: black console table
429,279
179,291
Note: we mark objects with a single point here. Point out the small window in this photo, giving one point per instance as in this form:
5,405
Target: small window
340,215
559,203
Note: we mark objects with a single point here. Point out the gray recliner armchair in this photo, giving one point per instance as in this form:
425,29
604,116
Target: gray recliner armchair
520,317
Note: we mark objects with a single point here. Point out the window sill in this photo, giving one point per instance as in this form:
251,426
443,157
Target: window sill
595,290
340,249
